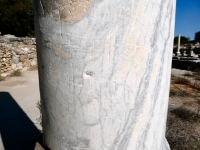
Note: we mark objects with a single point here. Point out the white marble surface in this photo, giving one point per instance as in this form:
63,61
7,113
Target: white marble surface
104,74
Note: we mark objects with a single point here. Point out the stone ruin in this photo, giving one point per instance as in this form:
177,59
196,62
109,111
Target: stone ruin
188,57
190,50
16,53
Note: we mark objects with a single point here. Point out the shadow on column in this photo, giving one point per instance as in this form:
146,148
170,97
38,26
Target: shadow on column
16,129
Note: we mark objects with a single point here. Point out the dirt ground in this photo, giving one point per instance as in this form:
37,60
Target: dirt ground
19,114
183,124
21,95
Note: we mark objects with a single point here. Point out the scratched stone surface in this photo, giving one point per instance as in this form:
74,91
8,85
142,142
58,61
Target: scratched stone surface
104,69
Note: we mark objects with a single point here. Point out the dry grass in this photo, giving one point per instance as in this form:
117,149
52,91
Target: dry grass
182,126
32,68
39,119
2,78
181,80
183,123
13,74
16,73
188,74
195,75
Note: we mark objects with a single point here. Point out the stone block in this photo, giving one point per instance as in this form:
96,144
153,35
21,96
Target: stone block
33,62
31,56
15,59
9,69
19,65
14,66
25,69
23,58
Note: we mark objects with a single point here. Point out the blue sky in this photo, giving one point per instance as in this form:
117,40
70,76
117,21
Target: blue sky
187,18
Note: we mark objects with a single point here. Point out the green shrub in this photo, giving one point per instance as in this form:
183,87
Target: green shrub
16,17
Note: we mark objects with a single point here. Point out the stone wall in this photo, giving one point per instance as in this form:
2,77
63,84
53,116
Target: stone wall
186,63
16,53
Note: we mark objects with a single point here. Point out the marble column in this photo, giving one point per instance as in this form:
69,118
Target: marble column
178,47
104,71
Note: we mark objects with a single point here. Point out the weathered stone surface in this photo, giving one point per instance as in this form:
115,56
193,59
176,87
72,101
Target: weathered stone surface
65,10
104,78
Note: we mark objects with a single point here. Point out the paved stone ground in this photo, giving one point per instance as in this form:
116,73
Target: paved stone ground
19,125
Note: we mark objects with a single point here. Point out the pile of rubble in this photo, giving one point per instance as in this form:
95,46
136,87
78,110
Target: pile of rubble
16,53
